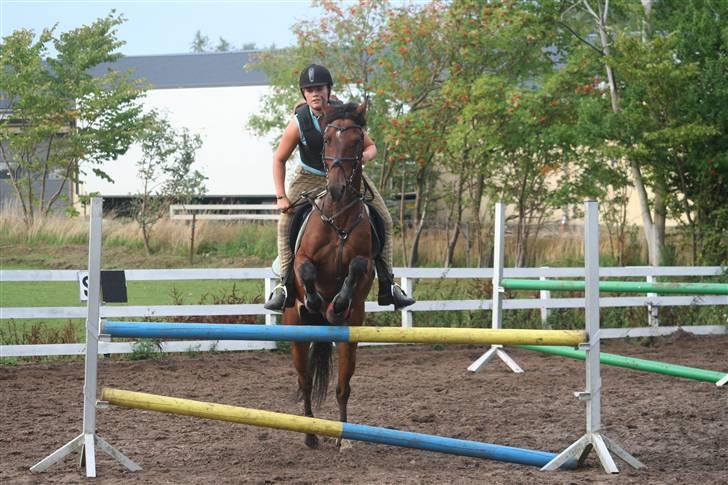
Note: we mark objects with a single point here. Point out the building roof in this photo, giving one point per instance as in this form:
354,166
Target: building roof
170,71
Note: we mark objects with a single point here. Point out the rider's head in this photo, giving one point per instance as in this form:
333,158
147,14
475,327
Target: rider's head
315,75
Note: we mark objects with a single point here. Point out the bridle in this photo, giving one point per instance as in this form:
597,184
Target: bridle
338,161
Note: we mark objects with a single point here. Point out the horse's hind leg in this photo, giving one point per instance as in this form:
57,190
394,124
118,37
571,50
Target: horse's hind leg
307,273
338,310
299,351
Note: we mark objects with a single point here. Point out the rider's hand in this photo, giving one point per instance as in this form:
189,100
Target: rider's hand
283,204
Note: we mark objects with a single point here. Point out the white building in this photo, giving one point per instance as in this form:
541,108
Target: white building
212,95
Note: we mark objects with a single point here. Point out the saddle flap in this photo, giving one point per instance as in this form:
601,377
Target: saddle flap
377,224
298,225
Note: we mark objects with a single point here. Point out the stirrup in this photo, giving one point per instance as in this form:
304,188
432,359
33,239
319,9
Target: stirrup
400,298
274,304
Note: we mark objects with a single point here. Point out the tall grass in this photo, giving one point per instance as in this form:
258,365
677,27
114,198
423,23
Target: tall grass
551,248
55,230
257,240
223,238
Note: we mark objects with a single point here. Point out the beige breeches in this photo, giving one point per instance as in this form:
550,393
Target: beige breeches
303,181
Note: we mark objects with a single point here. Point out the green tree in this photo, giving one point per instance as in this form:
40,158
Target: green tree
699,176
62,121
223,45
412,65
201,42
605,22
165,172
344,39
512,132
666,77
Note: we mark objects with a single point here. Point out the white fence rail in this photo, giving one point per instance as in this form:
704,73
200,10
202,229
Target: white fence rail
248,212
407,275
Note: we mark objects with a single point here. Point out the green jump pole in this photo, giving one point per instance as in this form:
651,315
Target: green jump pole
633,363
619,286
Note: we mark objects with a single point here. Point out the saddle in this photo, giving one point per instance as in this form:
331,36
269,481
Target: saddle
303,213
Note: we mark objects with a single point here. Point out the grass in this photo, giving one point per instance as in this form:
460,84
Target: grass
66,293
141,293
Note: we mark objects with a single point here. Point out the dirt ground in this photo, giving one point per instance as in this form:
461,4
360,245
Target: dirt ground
677,427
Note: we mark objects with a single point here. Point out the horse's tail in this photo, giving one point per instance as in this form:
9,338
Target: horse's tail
319,366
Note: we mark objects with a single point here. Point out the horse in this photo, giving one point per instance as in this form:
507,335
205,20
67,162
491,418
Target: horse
333,267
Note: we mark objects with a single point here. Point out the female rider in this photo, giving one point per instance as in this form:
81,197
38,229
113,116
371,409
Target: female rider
304,132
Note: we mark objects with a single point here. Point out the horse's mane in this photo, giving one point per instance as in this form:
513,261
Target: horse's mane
346,111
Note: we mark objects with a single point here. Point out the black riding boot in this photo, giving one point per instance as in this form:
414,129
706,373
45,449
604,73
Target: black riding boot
390,293
280,296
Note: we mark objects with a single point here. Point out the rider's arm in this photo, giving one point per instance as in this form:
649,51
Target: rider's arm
288,143
370,149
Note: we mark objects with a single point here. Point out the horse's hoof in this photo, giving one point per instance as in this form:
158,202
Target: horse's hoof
312,441
344,445
340,304
335,318
313,305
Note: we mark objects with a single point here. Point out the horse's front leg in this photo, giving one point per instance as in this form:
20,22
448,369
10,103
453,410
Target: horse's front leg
307,274
346,353
338,310
299,351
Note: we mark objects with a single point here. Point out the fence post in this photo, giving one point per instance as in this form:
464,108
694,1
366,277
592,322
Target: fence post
270,283
192,238
544,295
406,284
653,319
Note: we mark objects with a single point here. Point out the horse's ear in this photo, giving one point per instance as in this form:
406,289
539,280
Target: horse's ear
362,108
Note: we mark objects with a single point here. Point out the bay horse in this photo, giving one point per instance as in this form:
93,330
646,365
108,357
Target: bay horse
333,267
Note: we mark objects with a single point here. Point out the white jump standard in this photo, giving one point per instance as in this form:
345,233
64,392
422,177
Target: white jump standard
593,438
88,439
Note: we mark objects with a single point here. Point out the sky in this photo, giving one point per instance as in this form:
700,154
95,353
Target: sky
166,27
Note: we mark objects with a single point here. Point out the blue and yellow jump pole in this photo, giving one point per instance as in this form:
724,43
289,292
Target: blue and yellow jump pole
324,427
305,333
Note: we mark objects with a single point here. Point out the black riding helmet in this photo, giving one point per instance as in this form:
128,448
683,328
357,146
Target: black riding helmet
315,75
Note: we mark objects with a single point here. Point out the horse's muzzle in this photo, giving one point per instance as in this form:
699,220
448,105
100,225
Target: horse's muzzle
336,190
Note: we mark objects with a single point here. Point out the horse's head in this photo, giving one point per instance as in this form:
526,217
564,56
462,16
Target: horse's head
343,146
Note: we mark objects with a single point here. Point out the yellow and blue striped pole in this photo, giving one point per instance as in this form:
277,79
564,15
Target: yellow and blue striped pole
305,333
324,427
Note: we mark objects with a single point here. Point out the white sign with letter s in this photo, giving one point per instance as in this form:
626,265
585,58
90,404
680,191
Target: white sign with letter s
83,285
